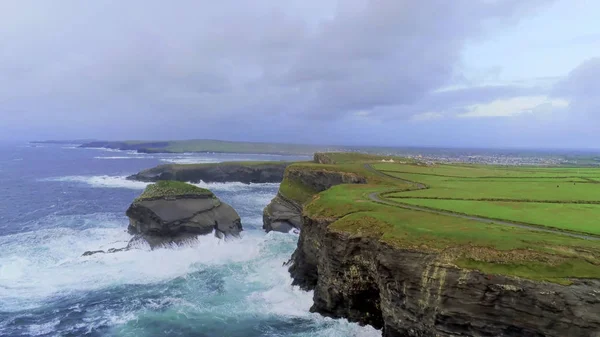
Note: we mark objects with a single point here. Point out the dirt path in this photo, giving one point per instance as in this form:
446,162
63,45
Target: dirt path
375,197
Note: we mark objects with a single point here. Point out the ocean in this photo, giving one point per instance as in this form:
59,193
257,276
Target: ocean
58,201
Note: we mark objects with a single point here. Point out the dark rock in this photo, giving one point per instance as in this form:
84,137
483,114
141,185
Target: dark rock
282,226
221,172
109,251
116,250
322,179
92,252
175,220
409,293
284,212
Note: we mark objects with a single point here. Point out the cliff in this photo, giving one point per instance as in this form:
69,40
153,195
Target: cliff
408,292
415,273
245,172
299,184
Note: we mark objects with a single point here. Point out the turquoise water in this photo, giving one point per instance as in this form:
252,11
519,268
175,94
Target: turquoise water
60,201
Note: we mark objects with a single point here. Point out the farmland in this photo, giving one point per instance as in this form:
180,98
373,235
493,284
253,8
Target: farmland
563,198
533,222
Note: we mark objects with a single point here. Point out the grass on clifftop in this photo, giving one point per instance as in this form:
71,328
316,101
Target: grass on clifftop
300,193
493,249
467,243
170,188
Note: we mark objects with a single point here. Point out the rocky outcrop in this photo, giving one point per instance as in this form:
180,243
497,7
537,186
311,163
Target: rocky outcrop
284,214
164,220
221,172
172,212
416,294
319,180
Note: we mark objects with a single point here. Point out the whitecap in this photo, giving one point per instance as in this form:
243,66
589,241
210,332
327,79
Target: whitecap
35,266
189,160
43,329
123,157
103,181
235,186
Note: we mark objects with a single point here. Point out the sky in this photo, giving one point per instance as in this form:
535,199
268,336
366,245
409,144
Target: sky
462,73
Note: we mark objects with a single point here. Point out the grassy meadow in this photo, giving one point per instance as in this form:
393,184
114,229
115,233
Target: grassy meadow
524,195
562,198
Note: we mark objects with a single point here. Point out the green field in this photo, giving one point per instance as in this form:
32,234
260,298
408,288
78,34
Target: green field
524,189
562,198
485,171
573,217
482,193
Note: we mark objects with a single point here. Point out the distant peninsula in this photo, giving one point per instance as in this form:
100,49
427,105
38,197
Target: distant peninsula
207,145
63,142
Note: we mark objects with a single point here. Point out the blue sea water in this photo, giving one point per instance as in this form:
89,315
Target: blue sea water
58,201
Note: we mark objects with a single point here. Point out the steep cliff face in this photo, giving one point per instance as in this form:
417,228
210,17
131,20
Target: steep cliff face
416,293
282,215
284,212
221,172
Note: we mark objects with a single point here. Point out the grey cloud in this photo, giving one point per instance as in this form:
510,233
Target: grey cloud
580,87
147,64
582,82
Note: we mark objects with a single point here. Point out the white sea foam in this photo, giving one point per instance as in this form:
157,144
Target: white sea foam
111,150
45,263
278,297
189,160
43,329
235,186
103,181
37,266
123,157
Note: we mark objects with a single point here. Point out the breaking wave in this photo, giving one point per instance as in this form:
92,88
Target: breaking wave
123,157
209,279
103,181
189,160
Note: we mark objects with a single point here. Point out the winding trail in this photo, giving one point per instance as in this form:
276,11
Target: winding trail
375,197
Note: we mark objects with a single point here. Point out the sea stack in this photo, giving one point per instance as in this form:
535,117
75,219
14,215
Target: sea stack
174,212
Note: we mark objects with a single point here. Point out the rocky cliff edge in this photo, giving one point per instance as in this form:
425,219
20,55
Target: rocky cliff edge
407,275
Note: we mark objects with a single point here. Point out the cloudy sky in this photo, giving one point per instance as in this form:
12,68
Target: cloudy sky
476,73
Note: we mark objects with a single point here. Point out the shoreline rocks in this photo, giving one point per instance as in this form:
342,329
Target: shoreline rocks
219,172
172,212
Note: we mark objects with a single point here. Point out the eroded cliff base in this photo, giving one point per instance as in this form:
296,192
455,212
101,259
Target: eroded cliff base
417,293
